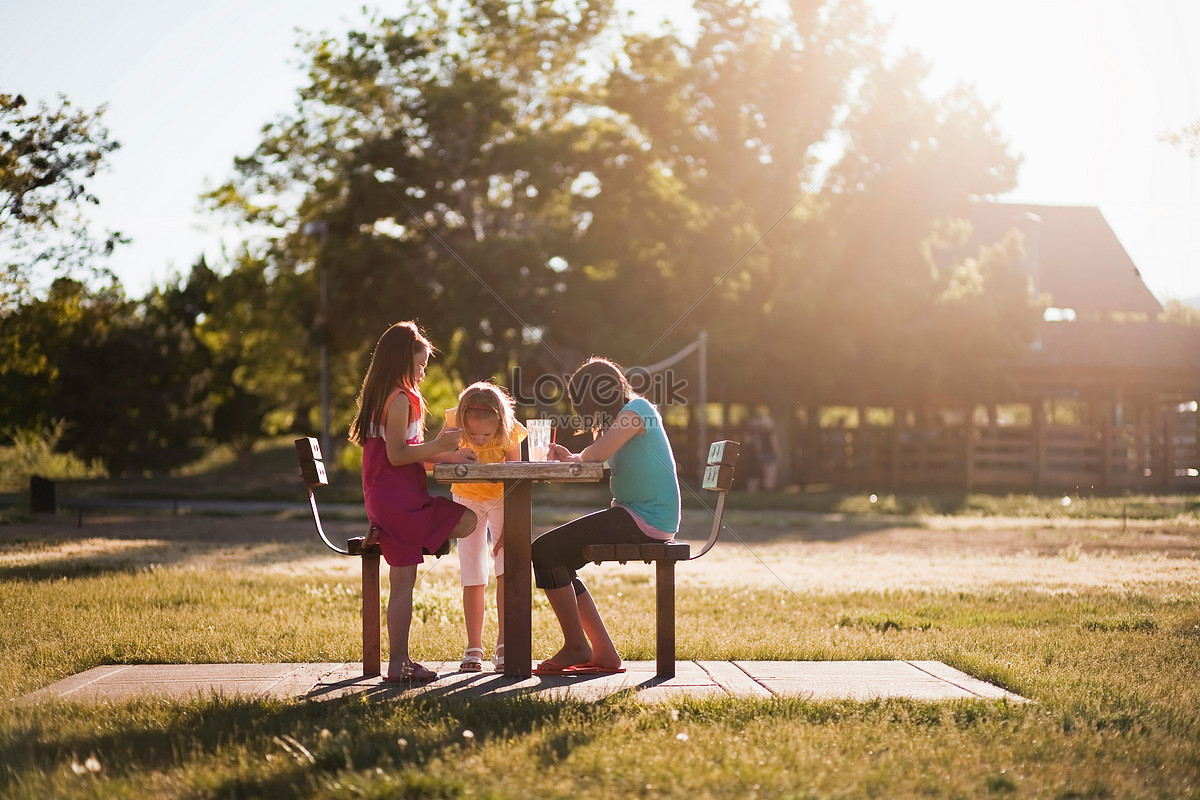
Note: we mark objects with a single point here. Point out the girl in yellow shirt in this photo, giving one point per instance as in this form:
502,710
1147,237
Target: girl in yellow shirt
490,429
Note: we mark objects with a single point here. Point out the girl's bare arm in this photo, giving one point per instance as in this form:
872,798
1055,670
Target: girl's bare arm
399,451
624,427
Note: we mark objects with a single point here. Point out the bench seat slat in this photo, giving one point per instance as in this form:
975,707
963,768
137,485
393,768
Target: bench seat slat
628,552
600,553
649,553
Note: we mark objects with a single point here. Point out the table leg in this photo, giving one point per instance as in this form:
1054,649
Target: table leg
518,587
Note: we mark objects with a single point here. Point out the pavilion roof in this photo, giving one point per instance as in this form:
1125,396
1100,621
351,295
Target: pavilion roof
1128,346
1073,254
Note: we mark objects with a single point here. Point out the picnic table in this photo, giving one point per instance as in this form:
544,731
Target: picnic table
518,478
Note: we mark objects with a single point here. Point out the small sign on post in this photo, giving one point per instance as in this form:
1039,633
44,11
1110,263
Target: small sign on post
41,495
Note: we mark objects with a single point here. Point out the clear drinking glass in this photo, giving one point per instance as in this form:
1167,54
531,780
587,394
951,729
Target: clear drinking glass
538,431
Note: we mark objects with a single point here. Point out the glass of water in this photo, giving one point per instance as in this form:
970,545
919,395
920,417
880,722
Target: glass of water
539,438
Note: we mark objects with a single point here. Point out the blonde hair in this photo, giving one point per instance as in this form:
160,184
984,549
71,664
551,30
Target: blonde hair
486,400
393,363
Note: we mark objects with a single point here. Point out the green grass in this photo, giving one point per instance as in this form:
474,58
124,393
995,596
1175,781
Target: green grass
1105,643
618,748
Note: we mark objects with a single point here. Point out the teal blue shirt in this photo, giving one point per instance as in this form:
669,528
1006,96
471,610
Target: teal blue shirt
643,471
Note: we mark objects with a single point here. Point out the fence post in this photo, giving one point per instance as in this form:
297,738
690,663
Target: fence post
1168,428
1038,408
969,448
41,495
1106,452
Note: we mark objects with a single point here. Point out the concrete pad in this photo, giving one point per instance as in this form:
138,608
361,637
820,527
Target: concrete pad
735,679
971,684
185,681
691,680
819,680
868,680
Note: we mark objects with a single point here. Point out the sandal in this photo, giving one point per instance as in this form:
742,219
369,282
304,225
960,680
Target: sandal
472,660
412,672
498,659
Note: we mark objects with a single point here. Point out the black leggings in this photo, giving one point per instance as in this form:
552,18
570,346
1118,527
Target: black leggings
558,552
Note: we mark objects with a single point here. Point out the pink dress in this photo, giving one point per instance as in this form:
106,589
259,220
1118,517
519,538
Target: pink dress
411,521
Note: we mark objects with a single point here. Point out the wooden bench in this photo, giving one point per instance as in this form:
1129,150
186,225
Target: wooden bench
312,469
718,477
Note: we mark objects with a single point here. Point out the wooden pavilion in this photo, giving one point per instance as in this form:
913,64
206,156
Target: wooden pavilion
1106,396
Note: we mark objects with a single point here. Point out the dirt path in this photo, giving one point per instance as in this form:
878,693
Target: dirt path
976,534
801,556
996,536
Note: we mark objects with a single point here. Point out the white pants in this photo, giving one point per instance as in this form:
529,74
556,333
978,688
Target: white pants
473,550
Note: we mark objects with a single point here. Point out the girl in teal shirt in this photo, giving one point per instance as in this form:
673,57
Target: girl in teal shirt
645,508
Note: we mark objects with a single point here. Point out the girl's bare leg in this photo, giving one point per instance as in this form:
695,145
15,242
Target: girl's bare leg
399,616
604,652
465,526
500,609
575,649
473,605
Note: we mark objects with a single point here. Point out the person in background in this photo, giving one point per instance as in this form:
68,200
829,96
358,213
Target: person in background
761,449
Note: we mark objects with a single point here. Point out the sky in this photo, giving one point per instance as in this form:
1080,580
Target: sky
1083,90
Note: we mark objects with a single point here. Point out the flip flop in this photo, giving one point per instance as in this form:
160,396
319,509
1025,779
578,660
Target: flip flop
549,667
592,669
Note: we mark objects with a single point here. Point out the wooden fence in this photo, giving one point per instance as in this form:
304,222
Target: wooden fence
1131,456
1159,455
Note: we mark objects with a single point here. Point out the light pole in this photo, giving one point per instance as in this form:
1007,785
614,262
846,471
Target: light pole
321,228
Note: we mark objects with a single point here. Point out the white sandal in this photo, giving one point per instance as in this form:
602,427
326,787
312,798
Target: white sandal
472,660
498,659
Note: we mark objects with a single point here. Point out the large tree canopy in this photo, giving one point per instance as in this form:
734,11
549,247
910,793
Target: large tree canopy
824,184
48,157
127,380
514,171
441,156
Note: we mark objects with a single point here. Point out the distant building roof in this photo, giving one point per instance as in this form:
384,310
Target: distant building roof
1152,357
1100,343
1074,255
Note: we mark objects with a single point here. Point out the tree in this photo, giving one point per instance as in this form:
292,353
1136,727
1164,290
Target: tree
48,157
1178,312
510,172
729,126
128,379
824,183
1187,137
443,153
256,332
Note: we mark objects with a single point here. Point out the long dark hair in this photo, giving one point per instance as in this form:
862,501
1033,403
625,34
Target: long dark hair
599,390
393,363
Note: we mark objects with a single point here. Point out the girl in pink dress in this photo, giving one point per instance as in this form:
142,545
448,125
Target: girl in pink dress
406,520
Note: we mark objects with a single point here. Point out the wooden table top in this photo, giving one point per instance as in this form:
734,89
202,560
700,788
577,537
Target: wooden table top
552,471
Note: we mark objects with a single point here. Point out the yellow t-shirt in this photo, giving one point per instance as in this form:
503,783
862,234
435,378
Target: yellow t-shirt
490,453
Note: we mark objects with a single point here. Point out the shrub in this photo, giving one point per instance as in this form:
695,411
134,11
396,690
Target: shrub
35,452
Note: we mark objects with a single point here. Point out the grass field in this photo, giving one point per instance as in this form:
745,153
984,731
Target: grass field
1092,617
